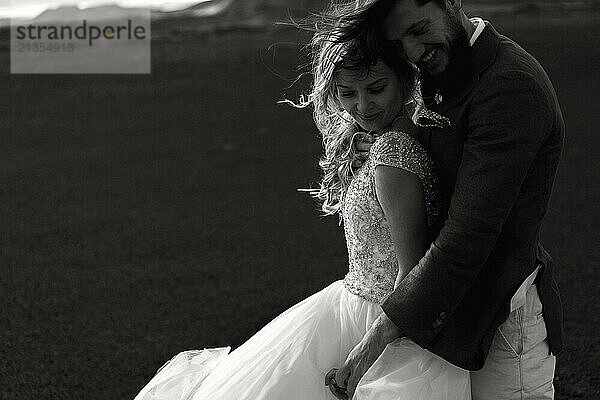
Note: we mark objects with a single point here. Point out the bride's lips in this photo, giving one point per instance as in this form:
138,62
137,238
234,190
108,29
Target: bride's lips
370,117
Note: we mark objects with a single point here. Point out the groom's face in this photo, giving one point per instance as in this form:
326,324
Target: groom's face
430,35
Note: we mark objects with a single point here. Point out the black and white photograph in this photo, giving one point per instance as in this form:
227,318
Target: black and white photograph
299,199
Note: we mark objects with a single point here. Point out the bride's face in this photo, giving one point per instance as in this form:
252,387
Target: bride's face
374,100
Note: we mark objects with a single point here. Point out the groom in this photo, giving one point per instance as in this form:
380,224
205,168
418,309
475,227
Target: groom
483,297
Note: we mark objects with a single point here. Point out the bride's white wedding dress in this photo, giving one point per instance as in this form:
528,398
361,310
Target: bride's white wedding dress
289,357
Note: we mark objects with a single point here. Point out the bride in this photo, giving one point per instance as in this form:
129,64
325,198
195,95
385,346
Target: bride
386,206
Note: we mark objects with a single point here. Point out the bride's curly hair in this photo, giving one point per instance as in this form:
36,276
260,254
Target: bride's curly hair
331,52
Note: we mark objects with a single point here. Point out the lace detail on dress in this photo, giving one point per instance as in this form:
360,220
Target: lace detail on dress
430,119
372,261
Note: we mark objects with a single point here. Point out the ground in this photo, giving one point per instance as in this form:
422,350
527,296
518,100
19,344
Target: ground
145,215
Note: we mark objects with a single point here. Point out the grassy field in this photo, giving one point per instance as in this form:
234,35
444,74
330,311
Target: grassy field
145,215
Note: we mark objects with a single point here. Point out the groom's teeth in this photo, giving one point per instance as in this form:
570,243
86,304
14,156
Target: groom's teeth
428,56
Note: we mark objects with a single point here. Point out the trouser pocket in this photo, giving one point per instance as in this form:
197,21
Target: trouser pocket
519,364
509,336
525,327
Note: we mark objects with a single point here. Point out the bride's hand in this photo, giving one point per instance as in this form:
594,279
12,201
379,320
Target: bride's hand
362,145
365,353
330,382
404,124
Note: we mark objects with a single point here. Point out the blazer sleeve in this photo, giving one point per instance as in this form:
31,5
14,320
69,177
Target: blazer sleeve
509,118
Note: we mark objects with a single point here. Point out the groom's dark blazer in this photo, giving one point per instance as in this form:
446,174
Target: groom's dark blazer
496,165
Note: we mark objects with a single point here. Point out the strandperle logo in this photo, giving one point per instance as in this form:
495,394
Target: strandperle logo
106,40
84,31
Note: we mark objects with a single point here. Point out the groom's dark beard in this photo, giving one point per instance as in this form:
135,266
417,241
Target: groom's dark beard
456,75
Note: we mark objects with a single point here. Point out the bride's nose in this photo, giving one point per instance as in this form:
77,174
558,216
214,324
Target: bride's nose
363,103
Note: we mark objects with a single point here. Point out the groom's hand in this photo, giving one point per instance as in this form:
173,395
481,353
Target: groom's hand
365,353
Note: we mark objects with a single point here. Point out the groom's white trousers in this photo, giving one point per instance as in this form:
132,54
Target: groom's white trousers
519,364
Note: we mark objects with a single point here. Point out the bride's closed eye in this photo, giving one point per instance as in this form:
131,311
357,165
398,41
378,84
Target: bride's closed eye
374,90
377,90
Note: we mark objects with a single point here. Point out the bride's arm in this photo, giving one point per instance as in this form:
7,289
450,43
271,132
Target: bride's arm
402,199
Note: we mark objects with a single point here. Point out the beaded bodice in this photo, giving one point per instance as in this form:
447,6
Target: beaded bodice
372,261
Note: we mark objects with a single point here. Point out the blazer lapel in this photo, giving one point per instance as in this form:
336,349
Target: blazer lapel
483,54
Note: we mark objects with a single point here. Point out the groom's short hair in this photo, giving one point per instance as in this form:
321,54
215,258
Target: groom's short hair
423,2
362,3
371,14
390,3
362,21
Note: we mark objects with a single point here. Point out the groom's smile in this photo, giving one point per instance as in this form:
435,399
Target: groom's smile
428,56
431,60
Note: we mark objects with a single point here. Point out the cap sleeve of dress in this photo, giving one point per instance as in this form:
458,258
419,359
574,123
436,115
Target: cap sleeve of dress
400,150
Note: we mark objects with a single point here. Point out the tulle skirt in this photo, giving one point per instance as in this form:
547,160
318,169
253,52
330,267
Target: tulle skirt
289,357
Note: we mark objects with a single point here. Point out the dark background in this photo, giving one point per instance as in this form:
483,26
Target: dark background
145,215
